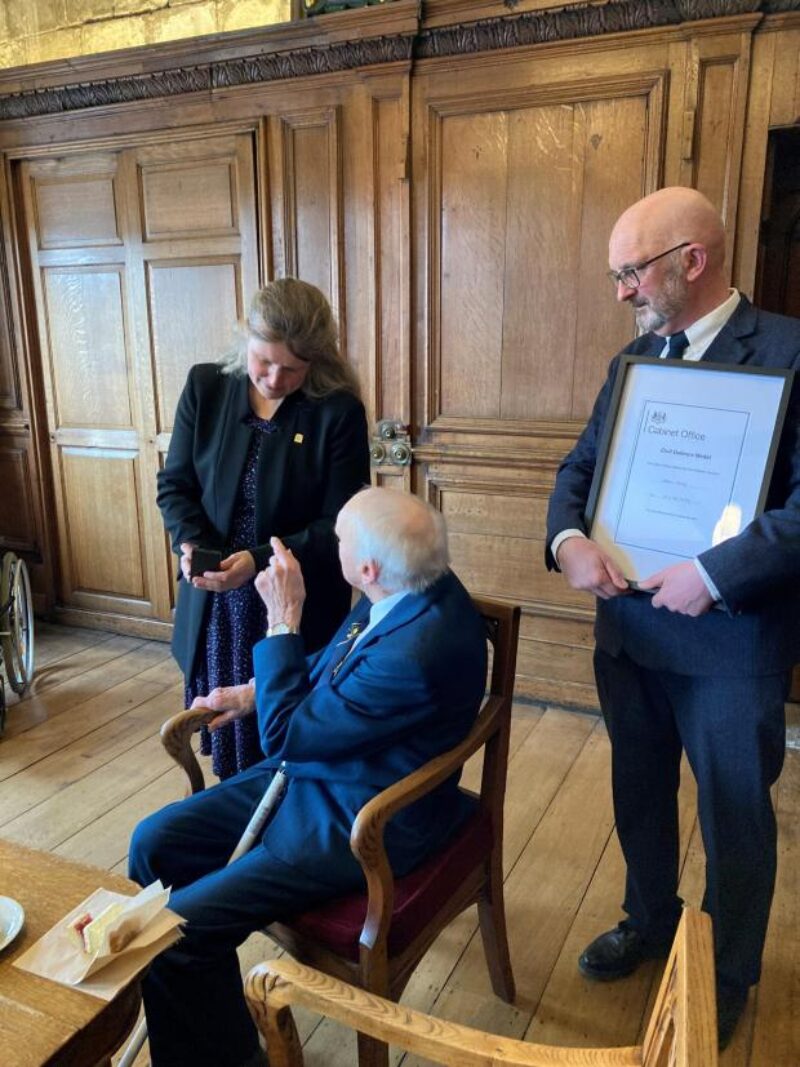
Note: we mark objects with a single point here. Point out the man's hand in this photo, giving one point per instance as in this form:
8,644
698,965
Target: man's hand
679,588
231,701
280,585
588,568
233,572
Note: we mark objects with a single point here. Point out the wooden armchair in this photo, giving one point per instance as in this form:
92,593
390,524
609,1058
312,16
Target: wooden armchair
376,939
681,1032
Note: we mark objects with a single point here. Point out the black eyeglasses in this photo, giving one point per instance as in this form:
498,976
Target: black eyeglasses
629,276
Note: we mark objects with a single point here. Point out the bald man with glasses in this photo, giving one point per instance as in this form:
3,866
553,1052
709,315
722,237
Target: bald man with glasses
672,674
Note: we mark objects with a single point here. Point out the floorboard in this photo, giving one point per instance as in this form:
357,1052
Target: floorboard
81,764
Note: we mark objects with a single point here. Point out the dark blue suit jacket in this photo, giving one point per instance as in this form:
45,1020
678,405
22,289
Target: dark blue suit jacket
307,470
757,573
407,692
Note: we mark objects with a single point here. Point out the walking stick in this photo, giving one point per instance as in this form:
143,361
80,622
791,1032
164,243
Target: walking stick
254,827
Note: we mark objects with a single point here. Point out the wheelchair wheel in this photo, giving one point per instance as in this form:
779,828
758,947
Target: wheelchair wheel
16,622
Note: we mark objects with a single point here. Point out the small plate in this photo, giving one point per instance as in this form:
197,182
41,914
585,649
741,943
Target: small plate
12,918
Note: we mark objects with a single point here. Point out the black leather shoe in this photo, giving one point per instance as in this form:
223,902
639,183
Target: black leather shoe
731,1002
618,953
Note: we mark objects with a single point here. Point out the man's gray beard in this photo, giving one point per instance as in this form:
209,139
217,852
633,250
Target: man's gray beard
647,318
667,305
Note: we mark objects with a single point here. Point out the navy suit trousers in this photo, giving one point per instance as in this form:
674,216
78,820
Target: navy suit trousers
196,1011
733,732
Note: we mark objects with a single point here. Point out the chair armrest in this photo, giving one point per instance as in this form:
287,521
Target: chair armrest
273,986
366,837
684,1015
176,737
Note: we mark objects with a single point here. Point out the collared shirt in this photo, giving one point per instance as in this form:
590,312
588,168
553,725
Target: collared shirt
700,336
379,610
701,333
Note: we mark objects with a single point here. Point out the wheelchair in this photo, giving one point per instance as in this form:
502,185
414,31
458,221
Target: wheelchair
16,628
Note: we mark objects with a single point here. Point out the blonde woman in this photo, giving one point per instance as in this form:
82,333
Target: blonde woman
269,442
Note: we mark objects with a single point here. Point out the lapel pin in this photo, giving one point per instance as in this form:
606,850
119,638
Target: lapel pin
298,439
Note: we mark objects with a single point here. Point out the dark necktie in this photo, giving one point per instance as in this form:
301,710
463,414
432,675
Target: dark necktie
678,343
343,647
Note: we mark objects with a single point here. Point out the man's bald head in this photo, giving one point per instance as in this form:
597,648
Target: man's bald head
668,217
403,536
688,283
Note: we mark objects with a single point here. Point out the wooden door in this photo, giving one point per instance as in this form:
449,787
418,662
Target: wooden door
142,261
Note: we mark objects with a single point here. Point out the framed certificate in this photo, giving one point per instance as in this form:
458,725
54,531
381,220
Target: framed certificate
685,458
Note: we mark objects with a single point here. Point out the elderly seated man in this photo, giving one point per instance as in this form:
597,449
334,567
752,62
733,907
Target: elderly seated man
400,683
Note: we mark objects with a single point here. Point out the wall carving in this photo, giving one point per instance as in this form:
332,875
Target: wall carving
508,31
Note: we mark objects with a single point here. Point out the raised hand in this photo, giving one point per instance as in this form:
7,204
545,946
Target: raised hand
280,585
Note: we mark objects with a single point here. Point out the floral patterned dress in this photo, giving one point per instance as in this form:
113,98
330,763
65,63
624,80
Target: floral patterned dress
236,621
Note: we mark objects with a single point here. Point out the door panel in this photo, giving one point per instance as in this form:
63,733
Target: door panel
308,187
193,308
103,542
143,261
519,180
88,357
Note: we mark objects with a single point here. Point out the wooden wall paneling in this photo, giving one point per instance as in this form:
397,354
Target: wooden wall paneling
540,295
754,156
391,180
376,184
522,188
309,148
10,393
490,517
22,419
623,147
18,527
785,110
263,199
521,167
102,528
718,73
357,253
193,262
78,267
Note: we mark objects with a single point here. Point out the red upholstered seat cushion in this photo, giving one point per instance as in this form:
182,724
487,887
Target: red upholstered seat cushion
417,897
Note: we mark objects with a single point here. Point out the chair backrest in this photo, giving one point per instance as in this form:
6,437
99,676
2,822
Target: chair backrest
378,969
502,626
681,1031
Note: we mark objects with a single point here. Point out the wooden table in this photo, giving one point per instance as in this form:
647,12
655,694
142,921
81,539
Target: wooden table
43,1024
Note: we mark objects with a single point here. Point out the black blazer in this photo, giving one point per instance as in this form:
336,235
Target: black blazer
757,572
307,471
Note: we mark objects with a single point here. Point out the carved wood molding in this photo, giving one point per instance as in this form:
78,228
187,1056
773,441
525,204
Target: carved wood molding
271,66
333,56
591,20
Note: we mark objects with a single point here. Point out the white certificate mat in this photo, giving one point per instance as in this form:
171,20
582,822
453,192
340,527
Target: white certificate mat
685,460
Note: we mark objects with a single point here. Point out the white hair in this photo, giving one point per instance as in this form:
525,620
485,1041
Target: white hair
403,535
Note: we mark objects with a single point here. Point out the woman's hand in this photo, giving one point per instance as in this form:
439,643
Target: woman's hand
231,701
233,572
186,561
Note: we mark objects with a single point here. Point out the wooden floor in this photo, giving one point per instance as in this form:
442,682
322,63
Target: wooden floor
81,763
